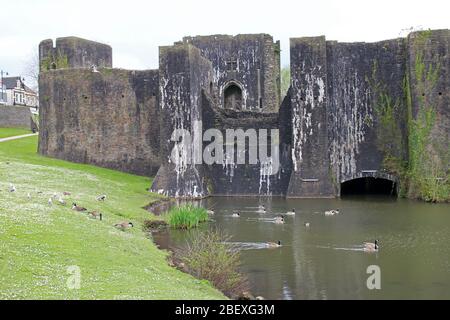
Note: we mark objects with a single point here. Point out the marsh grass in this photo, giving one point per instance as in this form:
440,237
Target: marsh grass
209,256
186,217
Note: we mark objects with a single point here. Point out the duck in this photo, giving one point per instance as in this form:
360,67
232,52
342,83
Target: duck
236,215
332,212
371,247
279,220
61,201
101,197
124,225
77,208
12,188
210,212
273,244
95,215
291,213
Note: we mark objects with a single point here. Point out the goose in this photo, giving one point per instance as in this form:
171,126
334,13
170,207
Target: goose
236,215
12,188
273,244
95,215
77,208
210,212
61,201
291,213
101,197
332,212
279,220
371,247
124,225
50,202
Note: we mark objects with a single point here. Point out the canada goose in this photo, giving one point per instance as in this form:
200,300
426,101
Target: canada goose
236,215
307,224
12,188
101,197
50,202
61,201
279,220
77,208
210,212
291,213
95,215
371,247
124,225
273,244
332,212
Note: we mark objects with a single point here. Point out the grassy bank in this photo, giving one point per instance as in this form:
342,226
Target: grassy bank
10,132
39,242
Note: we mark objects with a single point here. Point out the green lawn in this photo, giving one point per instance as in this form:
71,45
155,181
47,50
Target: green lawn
10,132
38,242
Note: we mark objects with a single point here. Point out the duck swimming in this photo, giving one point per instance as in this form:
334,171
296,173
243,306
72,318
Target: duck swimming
279,220
371,247
291,213
273,244
236,215
332,212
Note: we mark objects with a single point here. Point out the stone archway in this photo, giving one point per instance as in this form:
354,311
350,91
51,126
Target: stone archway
233,96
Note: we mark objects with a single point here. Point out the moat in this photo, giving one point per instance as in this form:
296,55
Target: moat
327,260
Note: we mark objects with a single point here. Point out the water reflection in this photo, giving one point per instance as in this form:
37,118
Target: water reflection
327,260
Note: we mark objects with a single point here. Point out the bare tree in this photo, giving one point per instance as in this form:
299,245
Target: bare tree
31,70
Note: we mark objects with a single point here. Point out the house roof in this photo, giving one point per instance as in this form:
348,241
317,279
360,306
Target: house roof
11,82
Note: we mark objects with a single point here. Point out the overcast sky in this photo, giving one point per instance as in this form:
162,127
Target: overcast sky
135,28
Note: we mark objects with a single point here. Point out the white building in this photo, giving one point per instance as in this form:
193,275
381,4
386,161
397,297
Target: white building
13,91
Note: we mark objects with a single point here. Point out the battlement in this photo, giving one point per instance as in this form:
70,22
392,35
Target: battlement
73,52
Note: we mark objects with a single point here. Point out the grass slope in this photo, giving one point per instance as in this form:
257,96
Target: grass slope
10,132
38,242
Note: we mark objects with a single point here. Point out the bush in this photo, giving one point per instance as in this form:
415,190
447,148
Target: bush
186,217
209,257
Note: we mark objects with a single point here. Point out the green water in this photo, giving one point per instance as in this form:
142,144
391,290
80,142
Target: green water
326,260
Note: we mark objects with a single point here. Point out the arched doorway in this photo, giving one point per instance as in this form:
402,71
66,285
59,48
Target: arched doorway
233,97
369,186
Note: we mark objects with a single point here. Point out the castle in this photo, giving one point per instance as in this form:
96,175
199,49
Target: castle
353,111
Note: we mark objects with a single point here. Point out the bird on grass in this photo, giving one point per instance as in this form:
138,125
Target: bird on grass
95,215
61,201
12,188
77,208
50,202
124,225
29,196
101,197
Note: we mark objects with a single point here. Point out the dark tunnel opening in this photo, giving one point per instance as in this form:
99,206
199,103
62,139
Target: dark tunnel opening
369,186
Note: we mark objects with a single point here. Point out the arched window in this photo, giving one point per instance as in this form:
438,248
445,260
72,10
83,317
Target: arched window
233,97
